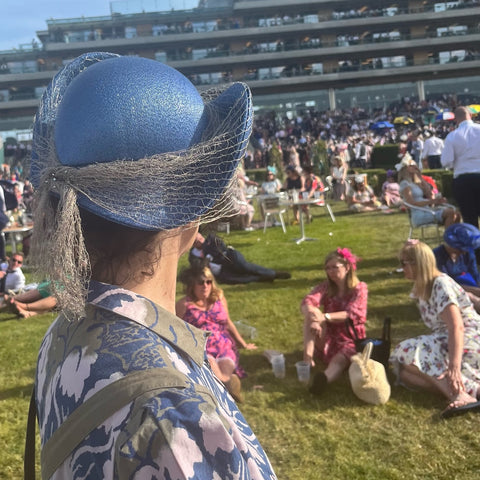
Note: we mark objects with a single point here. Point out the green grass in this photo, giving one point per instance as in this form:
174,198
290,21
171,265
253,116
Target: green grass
335,436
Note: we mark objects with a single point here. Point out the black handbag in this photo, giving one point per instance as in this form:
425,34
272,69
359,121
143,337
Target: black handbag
381,346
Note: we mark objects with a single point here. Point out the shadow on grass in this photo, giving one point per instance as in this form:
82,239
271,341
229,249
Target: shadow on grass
20,391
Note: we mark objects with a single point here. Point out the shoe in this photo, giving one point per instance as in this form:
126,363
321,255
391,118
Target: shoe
295,222
319,384
249,229
282,275
454,411
234,387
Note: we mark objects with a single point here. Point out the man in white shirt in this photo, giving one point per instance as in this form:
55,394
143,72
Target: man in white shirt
11,275
432,150
462,153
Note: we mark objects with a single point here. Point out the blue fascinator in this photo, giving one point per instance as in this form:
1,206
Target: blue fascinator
462,236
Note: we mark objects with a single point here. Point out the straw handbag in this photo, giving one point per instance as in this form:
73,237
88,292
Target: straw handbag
368,378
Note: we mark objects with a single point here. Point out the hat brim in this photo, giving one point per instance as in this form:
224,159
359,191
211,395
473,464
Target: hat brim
228,123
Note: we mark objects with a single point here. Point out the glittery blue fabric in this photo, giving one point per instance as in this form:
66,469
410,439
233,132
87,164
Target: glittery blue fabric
102,108
462,236
126,108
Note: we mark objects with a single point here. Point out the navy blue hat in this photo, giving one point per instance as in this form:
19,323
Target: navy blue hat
103,108
462,236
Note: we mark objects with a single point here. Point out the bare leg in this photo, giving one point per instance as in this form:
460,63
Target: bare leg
336,367
412,376
309,338
29,296
26,310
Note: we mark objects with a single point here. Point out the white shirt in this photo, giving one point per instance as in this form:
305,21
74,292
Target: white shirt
432,146
462,149
15,280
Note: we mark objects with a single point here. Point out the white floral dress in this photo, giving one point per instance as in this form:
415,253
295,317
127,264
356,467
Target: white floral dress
430,352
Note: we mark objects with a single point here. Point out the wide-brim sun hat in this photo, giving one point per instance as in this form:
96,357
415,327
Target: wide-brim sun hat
136,141
462,236
132,141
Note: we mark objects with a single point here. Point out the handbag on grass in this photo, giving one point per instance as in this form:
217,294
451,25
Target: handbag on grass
381,346
368,378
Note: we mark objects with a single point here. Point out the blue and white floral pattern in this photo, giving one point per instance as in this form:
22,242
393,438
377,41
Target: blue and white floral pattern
186,433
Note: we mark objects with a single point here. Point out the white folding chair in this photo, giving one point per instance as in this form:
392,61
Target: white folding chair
271,206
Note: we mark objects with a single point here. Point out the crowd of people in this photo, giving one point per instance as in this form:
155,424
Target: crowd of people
110,250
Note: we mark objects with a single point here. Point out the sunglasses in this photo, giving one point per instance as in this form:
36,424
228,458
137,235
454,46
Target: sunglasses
204,282
16,260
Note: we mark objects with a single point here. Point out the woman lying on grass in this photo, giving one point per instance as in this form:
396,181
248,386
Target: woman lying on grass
342,295
446,361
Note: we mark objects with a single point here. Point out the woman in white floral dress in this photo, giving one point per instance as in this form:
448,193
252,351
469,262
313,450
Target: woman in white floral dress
447,360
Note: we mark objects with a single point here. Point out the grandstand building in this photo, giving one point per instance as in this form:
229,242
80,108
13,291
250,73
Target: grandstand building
293,54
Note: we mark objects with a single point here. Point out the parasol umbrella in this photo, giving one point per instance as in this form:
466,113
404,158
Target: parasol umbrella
403,120
475,107
380,125
445,116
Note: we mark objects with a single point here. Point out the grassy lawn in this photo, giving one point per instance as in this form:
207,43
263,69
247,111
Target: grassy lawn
335,436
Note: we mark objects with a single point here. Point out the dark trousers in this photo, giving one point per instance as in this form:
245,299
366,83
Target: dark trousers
434,162
466,190
238,270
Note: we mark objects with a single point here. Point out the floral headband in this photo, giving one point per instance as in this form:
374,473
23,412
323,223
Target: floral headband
349,257
412,242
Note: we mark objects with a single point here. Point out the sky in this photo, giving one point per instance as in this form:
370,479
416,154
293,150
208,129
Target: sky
21,19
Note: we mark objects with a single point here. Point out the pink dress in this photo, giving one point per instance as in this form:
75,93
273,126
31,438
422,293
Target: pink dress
337,339
220,343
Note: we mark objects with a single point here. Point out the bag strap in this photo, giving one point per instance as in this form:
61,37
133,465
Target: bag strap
93,412
350,327
367,351
29,456
386,329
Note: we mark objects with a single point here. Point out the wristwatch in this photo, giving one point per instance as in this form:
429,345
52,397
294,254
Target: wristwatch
327,316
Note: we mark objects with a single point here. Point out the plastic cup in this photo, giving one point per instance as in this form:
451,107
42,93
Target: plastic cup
305,195
295,196
317,194
303,371
278,365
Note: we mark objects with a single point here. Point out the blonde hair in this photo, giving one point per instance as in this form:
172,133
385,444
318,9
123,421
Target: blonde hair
190,277
352,279
404,174
422,257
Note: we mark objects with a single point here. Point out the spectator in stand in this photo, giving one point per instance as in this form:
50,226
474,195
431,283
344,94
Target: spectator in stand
432,150
294,181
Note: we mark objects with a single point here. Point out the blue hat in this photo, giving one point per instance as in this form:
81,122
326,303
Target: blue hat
105,109
462,236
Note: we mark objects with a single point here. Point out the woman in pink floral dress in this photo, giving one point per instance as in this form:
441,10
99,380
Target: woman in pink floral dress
205,307
447,360
325,310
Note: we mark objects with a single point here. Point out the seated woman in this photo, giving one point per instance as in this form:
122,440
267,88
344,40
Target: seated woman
360,197
342,295
447,360
416,191
456,258
391,191
205,307
272,184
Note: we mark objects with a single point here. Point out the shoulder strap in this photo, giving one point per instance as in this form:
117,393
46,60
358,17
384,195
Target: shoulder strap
94,411
29,456
350,327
